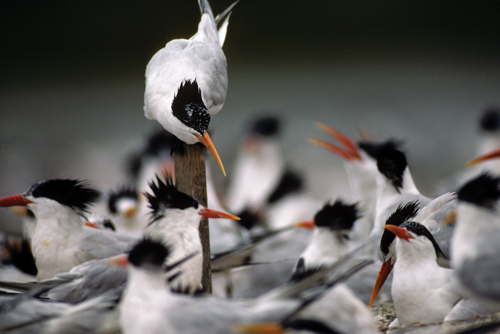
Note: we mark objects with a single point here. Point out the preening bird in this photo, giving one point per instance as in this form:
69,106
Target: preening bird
186,81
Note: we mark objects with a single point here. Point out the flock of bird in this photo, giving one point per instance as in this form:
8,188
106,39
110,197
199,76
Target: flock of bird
130,259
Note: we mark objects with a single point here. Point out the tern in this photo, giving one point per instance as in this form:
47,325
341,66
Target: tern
61,240
474,249
175,218
166,312
124,209
422,291
186,81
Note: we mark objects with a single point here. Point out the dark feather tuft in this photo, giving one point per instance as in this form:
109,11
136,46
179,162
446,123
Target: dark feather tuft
483,191
166,196
290,182
337,216
124,192
249,219
490,121
188,107
373,149
266,126
420,229
149,252
392,163
403,213
75,194
20,256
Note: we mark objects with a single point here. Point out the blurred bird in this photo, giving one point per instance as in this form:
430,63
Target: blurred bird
186,81
475,249
61,240
124,208
422,291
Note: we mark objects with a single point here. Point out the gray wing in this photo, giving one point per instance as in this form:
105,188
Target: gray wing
481,275
100,244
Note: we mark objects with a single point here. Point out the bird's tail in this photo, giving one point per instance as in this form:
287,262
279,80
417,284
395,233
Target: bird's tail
206,9
224,17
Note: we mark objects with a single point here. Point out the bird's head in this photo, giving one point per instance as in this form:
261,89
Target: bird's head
391,162
124,201
483,191
189,109
338,217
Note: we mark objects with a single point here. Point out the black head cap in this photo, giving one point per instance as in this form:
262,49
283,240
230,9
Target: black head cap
402,214
392,163
188,107
290,182
420,229
249,219
148,252
490,121
266,126
373,149
124,192
75,194
166,196
337,216
483,191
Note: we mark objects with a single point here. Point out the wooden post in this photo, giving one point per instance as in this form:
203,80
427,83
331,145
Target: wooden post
191,178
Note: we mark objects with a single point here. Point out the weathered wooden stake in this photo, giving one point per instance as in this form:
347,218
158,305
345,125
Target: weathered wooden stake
191,178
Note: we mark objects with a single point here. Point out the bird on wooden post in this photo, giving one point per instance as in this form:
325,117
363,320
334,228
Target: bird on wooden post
186,84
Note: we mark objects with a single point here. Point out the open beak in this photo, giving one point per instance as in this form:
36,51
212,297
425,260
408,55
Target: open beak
384,272
309,224
16,200
400,232
205,140
209,213
259,328
349,152
119,261
484,157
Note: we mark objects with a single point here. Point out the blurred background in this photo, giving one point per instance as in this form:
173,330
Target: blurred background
72,82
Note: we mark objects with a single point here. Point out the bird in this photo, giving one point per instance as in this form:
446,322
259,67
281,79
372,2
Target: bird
474,248
61,240
186,81
164,311
125,210
422,291
175,218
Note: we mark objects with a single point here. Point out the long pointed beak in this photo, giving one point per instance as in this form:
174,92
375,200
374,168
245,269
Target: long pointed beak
209,213
349,144
15,200
259,328
332,148
92,224
484,157
205,140
309,224
400,232
385,270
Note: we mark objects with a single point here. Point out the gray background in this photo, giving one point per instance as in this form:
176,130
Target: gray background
72,81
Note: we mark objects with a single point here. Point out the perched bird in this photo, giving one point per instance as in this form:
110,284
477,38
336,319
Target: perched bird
422,291
175,218
61,240
186,81
475,250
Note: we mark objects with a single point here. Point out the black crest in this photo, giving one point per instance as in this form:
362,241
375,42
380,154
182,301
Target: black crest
75,194
483,191
266,126
402,214
166,196
392,163
373,149
123,192
490,121
148,252
289,183
420,229
337,216
188,107
249,219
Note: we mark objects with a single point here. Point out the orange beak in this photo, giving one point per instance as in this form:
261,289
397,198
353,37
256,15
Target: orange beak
384,272
350,152
260,328
309,224
119,261
400,232
484,157
209,213
92,224
205,140
16,200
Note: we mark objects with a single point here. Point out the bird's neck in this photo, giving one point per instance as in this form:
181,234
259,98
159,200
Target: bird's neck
325,248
